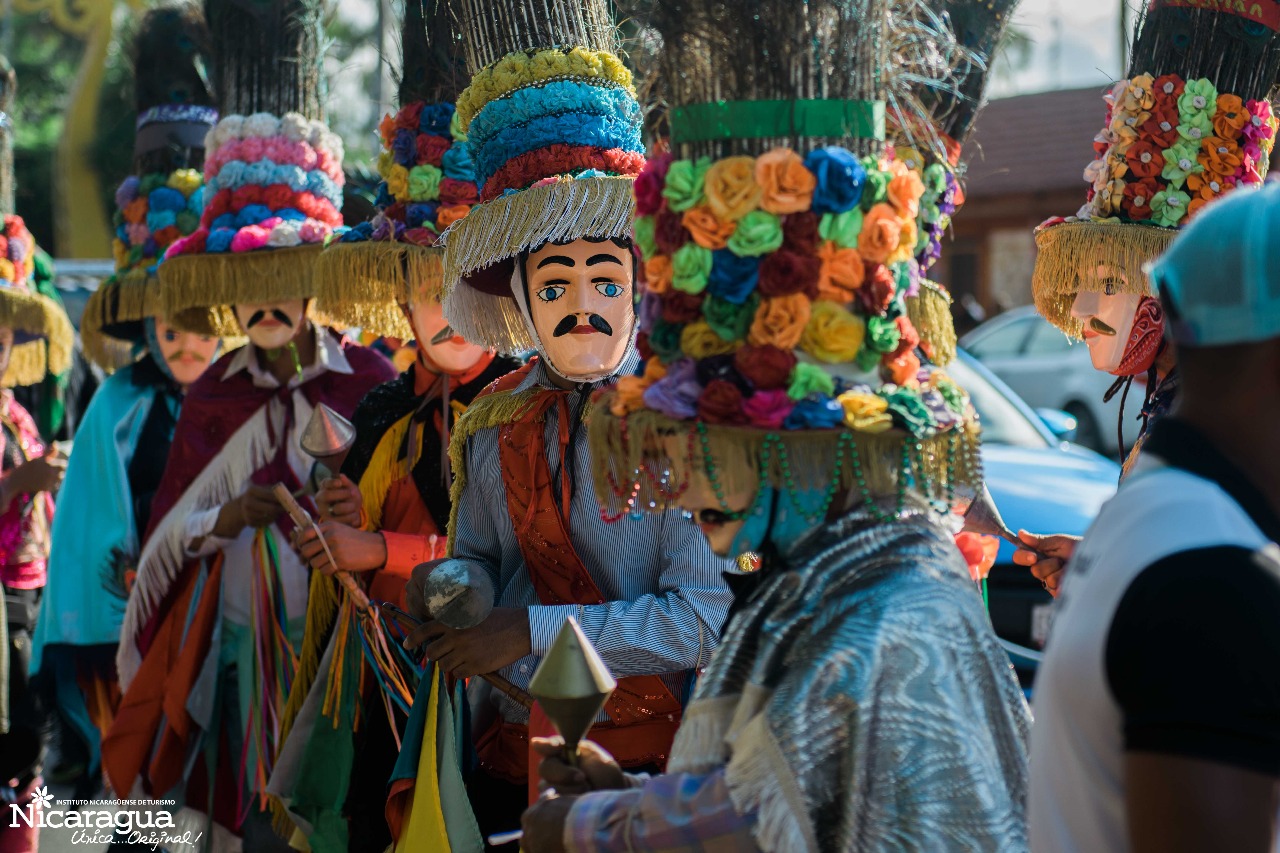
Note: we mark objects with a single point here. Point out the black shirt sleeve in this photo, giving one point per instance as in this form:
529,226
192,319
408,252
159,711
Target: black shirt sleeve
1193,658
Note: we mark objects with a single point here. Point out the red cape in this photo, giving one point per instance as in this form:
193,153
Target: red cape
174,648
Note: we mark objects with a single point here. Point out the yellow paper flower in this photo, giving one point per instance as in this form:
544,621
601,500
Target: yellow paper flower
731,189
398,182
833,334
7,271
185,181
1138,96
865,412
698,340
911,158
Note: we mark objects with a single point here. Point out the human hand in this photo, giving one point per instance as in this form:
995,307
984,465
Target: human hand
256,507
596,769
502,638
339,500
355,550
543,824
42,474
1046,556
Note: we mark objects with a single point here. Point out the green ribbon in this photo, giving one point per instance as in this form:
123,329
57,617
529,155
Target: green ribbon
765,119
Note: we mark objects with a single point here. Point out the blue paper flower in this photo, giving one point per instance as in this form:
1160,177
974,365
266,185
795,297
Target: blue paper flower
457,164
226,220
416,214
435,119
166,198
840,179
732,278
157,219
252,214
816,412
291,214
219,240
404,148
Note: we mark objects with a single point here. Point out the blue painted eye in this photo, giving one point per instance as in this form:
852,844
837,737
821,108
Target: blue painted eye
551,294
610,289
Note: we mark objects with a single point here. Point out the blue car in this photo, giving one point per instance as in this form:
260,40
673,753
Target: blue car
1042,483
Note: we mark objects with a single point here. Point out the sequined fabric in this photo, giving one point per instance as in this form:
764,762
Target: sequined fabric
861,701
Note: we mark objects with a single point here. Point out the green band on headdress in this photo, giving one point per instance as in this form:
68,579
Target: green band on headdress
777,119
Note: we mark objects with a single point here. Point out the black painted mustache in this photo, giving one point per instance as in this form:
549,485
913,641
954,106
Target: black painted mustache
259,316
1101,327
568,324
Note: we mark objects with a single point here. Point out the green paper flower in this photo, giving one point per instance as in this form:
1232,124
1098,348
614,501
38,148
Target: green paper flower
952,394
867,359
424,183
882,334
910,412
1169,207
664,340
729,321
187,221
153,181
643,230
935,179
876,188
1181,161
758,233
683,188
455,128
841,228
809,379
1196,128
1199,97
690,267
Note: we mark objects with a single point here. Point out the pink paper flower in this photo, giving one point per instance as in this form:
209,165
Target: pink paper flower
768,408
249,238
313,231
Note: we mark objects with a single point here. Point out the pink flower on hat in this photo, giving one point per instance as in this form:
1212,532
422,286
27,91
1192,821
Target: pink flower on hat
249,238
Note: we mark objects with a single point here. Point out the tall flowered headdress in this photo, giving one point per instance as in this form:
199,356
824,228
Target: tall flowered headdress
42,333
781,240
1189,123
428,183
273,170
162,201
553,128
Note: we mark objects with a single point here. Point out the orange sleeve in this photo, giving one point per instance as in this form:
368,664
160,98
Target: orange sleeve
404,552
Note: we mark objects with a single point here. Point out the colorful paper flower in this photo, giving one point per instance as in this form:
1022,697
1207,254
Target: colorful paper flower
730,188
1180,161
1144,160
786,185
833,333
840,178
1169,206
1138,196
1198,98
865,412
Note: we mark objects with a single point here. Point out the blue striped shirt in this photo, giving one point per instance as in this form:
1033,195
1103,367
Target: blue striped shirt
665,599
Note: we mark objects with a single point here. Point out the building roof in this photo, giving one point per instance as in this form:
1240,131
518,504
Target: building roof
1034,143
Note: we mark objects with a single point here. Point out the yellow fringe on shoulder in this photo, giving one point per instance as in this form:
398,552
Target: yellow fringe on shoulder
385,467
1066,250
930,312
948,460
364,284
569,209
490,411
34,314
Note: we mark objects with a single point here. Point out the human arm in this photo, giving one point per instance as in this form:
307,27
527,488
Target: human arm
672,629
1046,556
42,474
208,530
1190,659
674,813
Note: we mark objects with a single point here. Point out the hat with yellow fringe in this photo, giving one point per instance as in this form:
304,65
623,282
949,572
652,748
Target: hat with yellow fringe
781,240
553,127
273,170
42,334
162,201
1190,122
428,183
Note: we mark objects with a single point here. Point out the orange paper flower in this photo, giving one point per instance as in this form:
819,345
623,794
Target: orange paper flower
135,212
780,321
731,189
451,214
786,185
658,274
707,231
1220,156
1230,117
881,233
905,191
841,275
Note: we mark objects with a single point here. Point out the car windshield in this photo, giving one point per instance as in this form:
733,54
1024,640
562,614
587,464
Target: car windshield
1002,421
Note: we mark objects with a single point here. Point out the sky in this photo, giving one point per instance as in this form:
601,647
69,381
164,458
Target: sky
1076,43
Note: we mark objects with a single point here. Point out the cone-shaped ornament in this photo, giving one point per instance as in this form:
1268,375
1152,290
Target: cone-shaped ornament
983,517
328,437
572,684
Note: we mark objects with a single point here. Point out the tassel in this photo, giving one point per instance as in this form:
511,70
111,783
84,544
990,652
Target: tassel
322,611
128,297
363,284
1067,250
265,275
384,468
930,312
51,352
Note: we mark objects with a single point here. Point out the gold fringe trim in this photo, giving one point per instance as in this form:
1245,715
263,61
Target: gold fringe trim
811,458
490,411
364,284
129,297
384,469
323,598
224,279
568,209
35,314
930,312
1066,249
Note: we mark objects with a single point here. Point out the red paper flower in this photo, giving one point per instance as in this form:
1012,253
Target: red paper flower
407,118
454,191
431,148
277,196
649,185
1161,129
800,233
669,231
721,403
877,290
765,366
1144,159
245,196
910,338
784,272
680,307
1137,198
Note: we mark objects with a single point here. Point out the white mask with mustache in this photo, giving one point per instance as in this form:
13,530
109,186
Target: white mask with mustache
270,325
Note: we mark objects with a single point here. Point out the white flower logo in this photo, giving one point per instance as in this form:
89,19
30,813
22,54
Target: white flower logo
42,798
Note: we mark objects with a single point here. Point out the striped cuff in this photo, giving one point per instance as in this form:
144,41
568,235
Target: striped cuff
545,621
584,829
